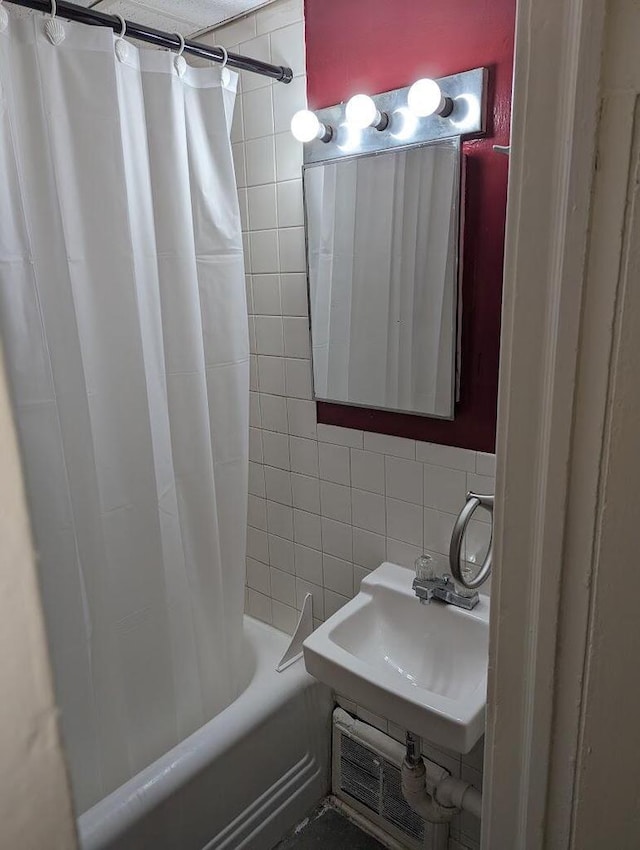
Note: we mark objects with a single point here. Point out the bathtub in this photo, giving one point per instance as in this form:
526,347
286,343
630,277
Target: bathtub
242,780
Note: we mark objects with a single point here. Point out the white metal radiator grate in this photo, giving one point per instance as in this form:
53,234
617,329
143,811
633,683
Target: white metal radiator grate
369,782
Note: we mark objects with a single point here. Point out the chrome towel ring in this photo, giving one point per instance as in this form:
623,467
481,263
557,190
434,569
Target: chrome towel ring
474,500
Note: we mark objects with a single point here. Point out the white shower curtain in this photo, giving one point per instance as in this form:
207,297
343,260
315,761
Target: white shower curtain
123,317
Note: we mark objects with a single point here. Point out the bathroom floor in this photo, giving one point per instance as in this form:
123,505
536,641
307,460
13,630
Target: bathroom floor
326,828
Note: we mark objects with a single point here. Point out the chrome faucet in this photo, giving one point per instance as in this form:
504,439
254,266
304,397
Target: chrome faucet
445,589
455,589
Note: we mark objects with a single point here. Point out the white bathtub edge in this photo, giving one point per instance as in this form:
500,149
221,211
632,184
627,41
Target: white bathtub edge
102,824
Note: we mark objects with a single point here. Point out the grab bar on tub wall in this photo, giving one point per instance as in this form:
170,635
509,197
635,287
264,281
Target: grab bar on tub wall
474,500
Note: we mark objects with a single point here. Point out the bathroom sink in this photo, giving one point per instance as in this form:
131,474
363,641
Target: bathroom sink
423,667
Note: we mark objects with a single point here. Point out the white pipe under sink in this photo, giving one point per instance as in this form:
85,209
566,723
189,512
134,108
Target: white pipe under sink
430,790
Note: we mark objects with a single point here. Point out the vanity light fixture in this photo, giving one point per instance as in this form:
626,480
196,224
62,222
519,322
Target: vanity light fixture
361,112
306,127
425,98
427,111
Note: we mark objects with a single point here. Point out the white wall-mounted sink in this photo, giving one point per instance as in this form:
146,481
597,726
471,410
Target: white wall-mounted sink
424,667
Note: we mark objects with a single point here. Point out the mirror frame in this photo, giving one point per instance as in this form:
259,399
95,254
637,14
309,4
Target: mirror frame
457,305
468,93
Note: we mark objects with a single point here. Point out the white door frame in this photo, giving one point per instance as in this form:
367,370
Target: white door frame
545,476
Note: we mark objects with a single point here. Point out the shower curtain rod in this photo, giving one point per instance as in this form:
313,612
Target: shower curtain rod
160,39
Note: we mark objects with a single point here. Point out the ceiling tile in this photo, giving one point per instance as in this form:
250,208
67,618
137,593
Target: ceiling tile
146,16
183,16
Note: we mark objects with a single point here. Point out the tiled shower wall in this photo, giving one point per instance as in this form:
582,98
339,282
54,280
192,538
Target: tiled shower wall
326,504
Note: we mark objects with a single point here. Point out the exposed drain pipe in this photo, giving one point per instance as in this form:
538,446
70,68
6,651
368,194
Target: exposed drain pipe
458,793
437,837
416,787
431,791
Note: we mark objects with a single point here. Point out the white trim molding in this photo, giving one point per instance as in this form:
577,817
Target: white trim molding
605,471
562,769
554,126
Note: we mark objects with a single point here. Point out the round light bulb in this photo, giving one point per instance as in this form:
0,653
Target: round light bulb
361,112
305,126
425,98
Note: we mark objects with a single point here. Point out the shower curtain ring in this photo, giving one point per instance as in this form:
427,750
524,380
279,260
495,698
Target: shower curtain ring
121,46
225,73
180,63
225,53
53,28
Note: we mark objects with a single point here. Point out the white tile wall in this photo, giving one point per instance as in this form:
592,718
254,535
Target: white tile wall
326,504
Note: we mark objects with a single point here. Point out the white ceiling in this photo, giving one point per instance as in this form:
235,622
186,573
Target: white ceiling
183,16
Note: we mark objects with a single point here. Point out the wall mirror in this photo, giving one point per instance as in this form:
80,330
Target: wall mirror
382,257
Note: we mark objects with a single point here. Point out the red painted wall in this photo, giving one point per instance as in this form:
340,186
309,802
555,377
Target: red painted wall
378,45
